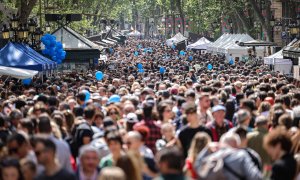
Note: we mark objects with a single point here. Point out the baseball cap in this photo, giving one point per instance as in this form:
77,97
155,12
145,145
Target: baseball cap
114,99
132,118
218,108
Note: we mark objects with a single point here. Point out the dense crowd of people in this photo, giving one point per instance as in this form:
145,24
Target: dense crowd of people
156,114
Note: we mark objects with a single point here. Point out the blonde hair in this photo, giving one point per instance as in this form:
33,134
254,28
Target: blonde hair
199,142
112,173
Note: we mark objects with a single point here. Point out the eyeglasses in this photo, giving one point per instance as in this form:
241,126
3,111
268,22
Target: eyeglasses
113,113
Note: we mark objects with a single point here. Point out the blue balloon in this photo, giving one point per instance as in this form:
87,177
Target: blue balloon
59,45
87,95
99,75
209,67
191,58
182,53
140,66
162,70
136,53
26,81
141,70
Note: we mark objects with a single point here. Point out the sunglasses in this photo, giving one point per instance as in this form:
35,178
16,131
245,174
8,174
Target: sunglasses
12,150
113,113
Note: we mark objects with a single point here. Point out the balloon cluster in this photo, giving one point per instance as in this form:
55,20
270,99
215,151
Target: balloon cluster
53,48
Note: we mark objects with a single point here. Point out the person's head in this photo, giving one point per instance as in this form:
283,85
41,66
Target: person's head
114,142
242,132
261,122
167,131
29,169
114,112
164,111
17,145
89,158
89,113
286,121
243,117
170,160
44,124
204,101
230,139
45,150
129,164
15,116
199,142
277,143
81,98
219,112
134,140
286,101
248,104
264,107
190,109
147,109
112,173
11,169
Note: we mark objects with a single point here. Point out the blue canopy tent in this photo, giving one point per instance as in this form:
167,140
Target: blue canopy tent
50,64
18,56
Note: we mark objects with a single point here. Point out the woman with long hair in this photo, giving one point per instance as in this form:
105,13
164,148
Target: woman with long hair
129,164
199,142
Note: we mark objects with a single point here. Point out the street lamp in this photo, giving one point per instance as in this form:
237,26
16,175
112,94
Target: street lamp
5,32
214,24
14,22
178,27
48,27
231,24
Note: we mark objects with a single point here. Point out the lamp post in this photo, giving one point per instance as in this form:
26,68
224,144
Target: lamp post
231,24
23,33
5,32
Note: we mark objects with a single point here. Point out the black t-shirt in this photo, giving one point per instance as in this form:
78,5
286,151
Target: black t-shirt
62,174
186,135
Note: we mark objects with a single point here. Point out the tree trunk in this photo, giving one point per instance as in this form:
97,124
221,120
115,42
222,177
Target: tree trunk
25,9
179,7
243,20
265,24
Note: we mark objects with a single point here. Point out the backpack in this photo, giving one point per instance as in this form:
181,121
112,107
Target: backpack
212,167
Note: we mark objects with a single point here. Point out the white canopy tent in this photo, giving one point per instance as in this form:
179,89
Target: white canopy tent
17,73
176,39
135,33
202,43
280,64
227,44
